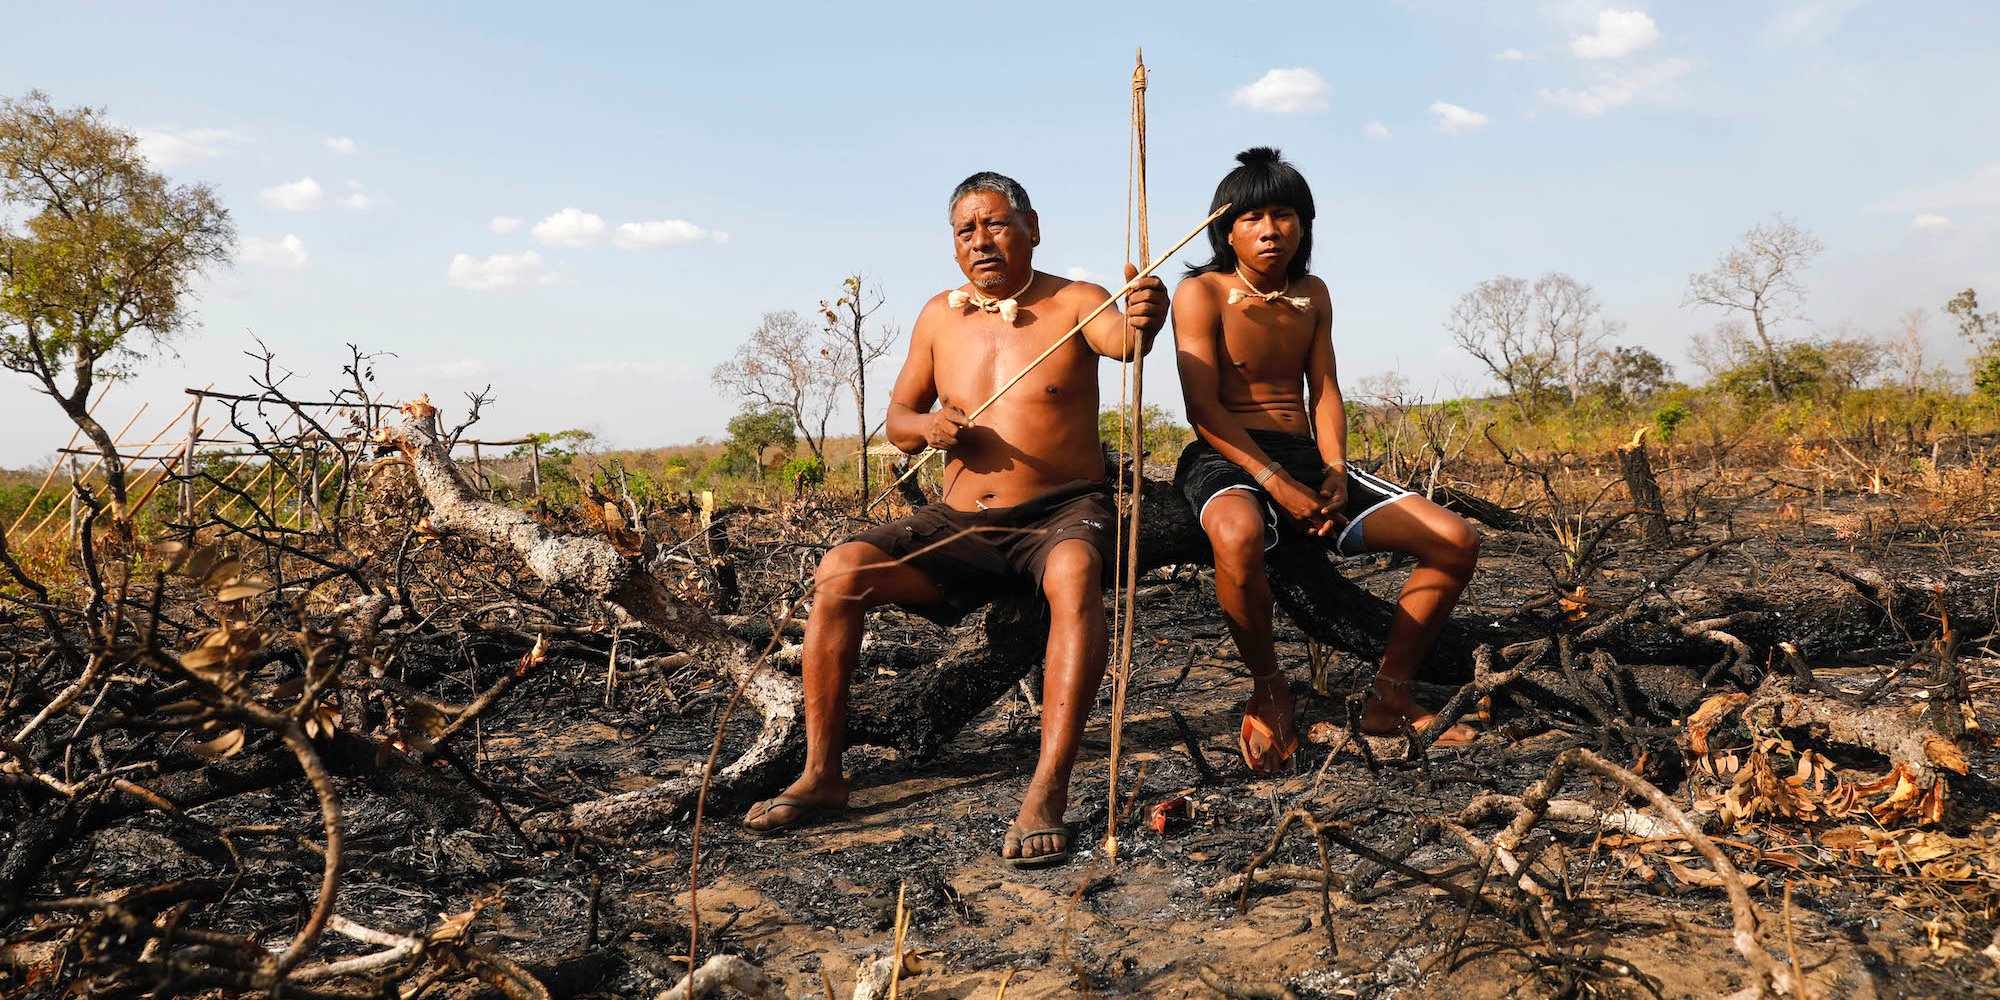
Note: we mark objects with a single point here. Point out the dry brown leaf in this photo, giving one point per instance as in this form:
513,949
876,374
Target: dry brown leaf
321,721
204,657
240,592
1945,754
199,563
172,554
1322,732
1574,606
222,571
1711,713
1695,876
226,745
425,719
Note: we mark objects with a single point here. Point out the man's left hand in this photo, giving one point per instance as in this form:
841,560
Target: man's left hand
1146,304
1333,498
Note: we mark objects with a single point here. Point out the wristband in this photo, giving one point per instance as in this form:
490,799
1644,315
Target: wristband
1264,474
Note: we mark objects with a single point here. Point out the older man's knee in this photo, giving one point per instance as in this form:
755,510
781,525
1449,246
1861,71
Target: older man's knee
1073,576
844,568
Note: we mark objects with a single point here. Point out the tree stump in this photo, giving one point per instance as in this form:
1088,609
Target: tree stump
1644,489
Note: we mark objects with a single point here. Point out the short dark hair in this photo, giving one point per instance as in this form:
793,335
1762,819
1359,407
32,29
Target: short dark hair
1262,178
1000,184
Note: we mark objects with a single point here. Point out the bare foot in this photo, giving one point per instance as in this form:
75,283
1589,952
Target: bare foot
1269,740
1041,809
1388,711
796,804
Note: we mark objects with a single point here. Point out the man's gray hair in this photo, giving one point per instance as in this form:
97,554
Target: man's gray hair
1000,184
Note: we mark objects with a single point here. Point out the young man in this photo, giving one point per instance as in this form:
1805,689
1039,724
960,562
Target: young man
1025,504
1252,327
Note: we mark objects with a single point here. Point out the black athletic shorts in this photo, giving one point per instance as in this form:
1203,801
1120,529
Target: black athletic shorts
1203,474
976,556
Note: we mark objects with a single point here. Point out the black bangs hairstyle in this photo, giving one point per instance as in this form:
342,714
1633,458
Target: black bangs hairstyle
1263,178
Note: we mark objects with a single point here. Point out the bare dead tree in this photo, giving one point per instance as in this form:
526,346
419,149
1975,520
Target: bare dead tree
1566,321
851,351
781,366
1759,276
1493,324
1906,349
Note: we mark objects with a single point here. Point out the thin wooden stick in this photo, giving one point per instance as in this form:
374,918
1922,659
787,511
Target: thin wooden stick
1121,677
918,463
902,929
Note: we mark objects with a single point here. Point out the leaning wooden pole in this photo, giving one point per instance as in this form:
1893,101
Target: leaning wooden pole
1121,676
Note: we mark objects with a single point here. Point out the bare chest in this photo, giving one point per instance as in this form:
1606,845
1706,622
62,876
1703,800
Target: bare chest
983,355
1266,342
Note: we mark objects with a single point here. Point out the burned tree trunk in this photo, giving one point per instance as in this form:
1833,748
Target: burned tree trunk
1644,489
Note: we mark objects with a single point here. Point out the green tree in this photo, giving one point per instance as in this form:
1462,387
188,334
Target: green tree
1982,331
755,430
561,444
103,249
1165,433
1633,375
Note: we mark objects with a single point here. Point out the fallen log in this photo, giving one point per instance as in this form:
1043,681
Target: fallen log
927,707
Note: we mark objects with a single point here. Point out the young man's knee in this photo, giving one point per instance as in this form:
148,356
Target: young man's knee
1458,546
1237,537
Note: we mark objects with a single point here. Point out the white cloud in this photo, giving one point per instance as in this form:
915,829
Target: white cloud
171,145
654,235
571,227
654,371
340,144
1808,22
1979,189
1616,89
1085,274
1376,130
302,195
503,224
1619,33
499,271
356,199
1285,91
1454,119
286,252
462,368
1514,55
1930,222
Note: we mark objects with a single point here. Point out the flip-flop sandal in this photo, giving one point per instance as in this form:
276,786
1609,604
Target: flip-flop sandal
1253,726
803,812
1031,861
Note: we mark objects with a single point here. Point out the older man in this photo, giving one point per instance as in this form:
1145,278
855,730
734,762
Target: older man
1025,504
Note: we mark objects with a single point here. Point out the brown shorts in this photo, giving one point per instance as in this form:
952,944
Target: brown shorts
974,557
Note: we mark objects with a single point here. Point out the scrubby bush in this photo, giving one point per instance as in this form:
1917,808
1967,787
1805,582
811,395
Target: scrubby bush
808,473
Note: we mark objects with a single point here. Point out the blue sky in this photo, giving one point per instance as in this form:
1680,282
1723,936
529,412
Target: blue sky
724,160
